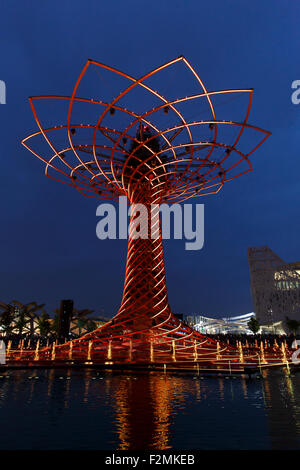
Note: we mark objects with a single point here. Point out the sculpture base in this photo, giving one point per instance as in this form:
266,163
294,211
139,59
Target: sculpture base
170,344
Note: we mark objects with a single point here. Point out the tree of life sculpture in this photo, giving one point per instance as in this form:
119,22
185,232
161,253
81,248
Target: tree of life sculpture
155,155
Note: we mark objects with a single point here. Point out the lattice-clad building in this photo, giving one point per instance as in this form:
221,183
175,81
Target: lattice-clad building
275,286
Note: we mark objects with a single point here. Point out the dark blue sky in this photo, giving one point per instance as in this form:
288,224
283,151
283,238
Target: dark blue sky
49,248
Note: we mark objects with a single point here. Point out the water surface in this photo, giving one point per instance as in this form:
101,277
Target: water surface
68,409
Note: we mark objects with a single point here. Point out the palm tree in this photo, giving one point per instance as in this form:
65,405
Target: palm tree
292,325
30,311
17,317
81,322
253,325
90,325
44,323
7,317
21,321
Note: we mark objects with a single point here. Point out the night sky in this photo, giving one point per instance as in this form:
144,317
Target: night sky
49,248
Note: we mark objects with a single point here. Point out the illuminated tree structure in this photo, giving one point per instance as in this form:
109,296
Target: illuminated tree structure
148,147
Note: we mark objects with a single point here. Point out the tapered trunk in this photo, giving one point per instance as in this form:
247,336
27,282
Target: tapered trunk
145,300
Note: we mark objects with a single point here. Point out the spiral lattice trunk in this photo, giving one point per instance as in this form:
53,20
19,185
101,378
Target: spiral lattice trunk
145,300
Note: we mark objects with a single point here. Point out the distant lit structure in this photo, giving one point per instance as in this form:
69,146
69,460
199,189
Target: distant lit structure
80,327
275,287
234,325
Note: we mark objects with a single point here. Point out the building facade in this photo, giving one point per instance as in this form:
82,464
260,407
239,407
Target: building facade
275,287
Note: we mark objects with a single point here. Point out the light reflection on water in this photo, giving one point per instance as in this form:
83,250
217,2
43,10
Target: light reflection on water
68,409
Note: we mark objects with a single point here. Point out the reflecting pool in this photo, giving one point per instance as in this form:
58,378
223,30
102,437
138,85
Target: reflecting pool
86,409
